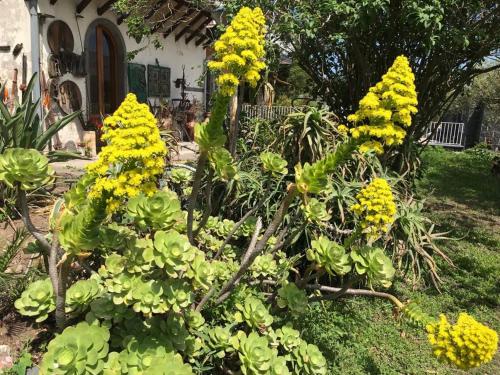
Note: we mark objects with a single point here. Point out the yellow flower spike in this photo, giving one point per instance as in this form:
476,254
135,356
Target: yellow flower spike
388,106
376,207
240,51
466,344
134,143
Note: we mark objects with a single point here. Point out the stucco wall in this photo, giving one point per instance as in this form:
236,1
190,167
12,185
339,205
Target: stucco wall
14,29
14,21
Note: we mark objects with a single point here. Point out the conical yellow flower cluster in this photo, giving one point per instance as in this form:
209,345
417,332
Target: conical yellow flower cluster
376,206
133,157
240,51
387,108
466,344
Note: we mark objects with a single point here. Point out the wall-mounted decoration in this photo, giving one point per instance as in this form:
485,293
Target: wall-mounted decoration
68,97
158,81
60,37
62,58
137,81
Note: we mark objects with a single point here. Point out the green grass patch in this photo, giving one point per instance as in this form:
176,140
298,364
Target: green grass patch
362,336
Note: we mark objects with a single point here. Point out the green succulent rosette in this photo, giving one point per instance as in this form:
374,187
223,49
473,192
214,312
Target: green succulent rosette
308,360
255,355
81,349
179,294
264,266
219,340
375,264
254,313
273,163
223,164
288,338
181,176
279,367
81,294
293,298
149,355
311,178
27,168
329,255
195,320
315,211
80,232
171,252
77,195
161,211
201,272
37,300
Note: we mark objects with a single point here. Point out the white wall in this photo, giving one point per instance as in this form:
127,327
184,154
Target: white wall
14,29
14,23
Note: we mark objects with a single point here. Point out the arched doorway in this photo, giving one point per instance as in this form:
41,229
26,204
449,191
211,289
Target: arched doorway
105,51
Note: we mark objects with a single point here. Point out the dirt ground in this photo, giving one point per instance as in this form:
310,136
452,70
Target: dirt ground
16,331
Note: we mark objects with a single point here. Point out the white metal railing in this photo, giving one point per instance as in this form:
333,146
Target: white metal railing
447,134
274,112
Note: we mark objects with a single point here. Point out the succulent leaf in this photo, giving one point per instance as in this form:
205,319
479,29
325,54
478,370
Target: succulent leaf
26,167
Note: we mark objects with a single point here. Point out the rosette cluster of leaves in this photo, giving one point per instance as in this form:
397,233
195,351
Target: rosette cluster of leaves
387,108
375,264
239,52
309,360
81,294
292,297
377,208
27,168
147,355
81,349
223,164
181,175
159,211
37,300
133,157
329,255
255,354
254,313
264,266
79,228
465,344
315,211
273,163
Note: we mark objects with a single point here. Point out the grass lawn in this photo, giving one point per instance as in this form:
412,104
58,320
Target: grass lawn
361,336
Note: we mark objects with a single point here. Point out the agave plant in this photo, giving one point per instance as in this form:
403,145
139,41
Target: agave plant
24,128
310,133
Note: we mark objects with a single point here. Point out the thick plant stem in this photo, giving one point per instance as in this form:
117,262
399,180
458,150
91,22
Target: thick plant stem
208,208
352,292
202,160
249,258
25,216
343,291
62,279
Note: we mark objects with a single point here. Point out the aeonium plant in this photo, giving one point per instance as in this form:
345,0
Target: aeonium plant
156,287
